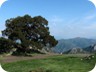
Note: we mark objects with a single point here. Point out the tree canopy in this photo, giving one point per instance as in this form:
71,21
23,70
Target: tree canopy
29,32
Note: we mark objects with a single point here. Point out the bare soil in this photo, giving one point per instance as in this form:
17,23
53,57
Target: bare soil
7,59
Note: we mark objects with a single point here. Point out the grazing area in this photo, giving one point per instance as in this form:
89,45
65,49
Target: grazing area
59,63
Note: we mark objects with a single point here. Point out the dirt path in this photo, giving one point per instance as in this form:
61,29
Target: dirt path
8,59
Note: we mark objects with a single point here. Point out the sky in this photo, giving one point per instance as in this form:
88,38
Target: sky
67,18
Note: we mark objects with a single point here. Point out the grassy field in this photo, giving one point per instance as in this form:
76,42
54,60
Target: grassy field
51,64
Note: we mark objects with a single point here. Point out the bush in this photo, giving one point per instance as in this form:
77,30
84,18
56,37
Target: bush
6,45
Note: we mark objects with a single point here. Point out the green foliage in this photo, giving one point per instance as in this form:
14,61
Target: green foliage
6,45
30,31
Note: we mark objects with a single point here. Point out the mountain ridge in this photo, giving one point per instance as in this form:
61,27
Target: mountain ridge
65,45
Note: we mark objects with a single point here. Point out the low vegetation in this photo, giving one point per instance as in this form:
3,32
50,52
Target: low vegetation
52,64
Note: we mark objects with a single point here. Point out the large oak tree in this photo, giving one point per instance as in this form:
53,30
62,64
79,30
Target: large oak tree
29,32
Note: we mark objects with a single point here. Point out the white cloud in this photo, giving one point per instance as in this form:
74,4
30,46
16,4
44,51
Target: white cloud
55,20
90,17
76,27
91,26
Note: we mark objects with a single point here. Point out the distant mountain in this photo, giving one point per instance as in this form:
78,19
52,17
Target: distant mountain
75,51
65,45
90,49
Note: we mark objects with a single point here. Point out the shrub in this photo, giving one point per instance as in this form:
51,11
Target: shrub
6,45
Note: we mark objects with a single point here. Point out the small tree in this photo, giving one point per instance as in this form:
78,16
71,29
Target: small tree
30,32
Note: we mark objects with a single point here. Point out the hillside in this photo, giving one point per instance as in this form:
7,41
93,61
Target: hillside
75,51
90,49
65,45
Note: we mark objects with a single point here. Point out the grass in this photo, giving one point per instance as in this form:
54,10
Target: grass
51,64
